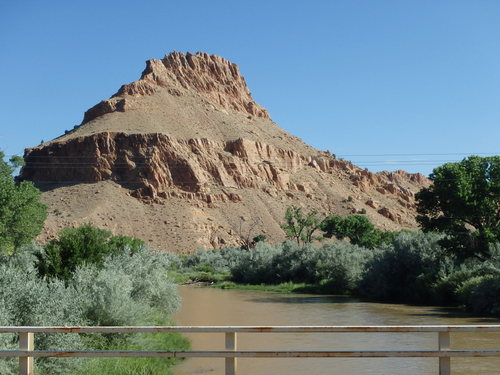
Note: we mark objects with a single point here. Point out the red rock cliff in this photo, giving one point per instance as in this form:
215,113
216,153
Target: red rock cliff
210,76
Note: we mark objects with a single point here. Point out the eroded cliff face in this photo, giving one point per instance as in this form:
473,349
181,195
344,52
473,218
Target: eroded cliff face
184,158
155,167
210,76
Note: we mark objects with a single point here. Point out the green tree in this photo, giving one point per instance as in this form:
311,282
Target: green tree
357,228
21,213
83,245
259,238
464,202
299,227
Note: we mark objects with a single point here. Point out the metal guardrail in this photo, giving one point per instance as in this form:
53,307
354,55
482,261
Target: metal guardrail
27,352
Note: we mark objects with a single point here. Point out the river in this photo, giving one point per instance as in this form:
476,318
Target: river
207,306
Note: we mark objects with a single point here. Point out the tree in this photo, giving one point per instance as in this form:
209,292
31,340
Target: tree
357,228
21,213
245,238
464,203
83,245
301,228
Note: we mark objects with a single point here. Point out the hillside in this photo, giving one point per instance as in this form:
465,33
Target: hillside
185,158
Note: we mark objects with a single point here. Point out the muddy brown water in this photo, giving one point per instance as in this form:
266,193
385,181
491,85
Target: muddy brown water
206,306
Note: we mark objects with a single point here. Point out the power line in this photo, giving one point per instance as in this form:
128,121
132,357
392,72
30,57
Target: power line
337,155
438,154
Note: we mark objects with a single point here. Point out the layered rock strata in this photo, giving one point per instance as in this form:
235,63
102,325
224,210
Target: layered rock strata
184,158
211,76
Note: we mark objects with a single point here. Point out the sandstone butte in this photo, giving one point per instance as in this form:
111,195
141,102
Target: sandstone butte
184,158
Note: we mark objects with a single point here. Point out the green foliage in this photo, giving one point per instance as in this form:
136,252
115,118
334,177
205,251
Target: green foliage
300,228
83,245
128,289
294,263
259,238
357,228
407,269
484,298
16,161
335,267
412,268
217,260
340,266
255,266
464,203
21,213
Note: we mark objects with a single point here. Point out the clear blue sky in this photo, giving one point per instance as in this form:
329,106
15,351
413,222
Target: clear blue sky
394,79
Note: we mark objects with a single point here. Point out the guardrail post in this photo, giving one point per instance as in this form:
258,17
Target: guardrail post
444,345
26,342
231,345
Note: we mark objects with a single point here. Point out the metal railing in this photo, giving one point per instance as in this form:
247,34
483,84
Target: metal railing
26,352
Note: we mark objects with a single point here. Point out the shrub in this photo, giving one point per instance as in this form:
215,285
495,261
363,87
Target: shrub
28,301
294,263
220,261
407,269
83,245
128,289
357,228
484,296
340,266
256,266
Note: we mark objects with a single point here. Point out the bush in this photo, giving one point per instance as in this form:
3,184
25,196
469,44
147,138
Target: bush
220,261
127,289
28,301
83,245
337,267
340,266
407,269
357,228
256,266
294,263
484,296
455,288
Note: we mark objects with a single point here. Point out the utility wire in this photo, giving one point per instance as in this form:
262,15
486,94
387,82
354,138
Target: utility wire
338,155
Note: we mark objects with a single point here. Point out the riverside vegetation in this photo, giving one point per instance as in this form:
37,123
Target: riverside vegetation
89,277
128,288
413,268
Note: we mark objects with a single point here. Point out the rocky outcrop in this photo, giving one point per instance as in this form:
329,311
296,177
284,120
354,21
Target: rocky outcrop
155,166
212,77
184,158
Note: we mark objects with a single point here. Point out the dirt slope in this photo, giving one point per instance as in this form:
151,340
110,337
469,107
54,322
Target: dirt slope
184,158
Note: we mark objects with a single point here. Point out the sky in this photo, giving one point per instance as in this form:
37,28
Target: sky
387,84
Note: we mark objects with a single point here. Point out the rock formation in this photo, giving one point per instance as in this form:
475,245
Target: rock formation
187,152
